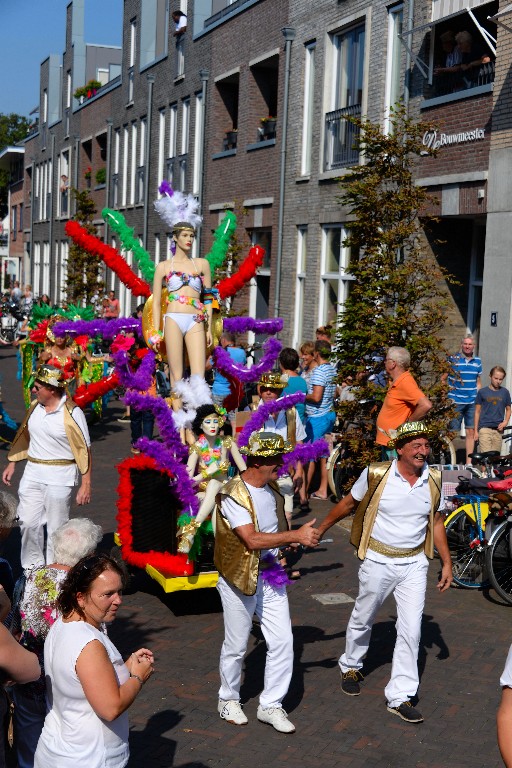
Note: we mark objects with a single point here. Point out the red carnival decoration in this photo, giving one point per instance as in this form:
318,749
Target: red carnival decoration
231,285
110,256
88,393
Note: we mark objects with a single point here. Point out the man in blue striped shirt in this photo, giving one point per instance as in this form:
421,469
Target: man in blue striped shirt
464,385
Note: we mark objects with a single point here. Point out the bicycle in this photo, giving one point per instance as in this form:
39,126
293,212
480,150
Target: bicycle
465,533
499,548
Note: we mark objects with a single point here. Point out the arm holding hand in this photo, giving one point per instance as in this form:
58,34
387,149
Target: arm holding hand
342,509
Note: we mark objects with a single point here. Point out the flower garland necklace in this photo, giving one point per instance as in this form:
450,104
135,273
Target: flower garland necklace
209,454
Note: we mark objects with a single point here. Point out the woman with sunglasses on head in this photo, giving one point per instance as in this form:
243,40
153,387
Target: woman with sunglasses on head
89,686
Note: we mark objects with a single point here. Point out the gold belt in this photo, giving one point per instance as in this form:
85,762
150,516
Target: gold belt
388,551
52,462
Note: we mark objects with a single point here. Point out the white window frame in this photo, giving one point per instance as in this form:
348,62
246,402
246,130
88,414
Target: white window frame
300,285
46,268
157,248
394,52
185,125
64,255
133,161
198,145
37,268
126,147
326,277
308,111
173,130
162,124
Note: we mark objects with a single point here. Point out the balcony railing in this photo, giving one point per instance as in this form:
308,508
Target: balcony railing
139,188
340,135
454,82
170,170
115,190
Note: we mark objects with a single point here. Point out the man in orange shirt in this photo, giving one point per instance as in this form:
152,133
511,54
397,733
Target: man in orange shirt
404,400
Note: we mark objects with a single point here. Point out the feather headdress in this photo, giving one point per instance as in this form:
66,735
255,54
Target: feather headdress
175,206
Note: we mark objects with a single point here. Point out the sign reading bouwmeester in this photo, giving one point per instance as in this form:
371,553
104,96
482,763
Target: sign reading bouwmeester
435,140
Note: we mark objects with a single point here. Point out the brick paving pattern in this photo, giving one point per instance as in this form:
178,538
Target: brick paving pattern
174,721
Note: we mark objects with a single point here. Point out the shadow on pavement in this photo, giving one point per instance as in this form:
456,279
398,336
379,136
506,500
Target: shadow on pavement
150,747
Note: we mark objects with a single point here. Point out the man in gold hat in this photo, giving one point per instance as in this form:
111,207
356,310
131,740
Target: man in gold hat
250,528
395,528
54,439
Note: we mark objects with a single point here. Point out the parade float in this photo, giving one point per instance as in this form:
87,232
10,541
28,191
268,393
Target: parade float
166,491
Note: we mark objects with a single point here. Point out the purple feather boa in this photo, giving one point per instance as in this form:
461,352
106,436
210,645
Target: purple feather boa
243,324
182,483
273,572
224,363
165,188
265,410
140,379
304,453
164,419
108,329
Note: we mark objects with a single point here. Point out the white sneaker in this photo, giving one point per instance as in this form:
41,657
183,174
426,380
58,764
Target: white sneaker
277,717
232,712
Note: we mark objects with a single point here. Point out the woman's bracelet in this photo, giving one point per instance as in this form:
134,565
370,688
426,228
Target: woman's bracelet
141,681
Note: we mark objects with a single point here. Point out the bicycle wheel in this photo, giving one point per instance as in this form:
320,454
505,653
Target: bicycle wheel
339,471
499,561
469,566
442,452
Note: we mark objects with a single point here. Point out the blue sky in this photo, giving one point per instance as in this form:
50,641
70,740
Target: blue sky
31,30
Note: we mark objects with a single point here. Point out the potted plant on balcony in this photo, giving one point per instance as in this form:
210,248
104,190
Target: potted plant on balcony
101,176
268,125
87,91
87,176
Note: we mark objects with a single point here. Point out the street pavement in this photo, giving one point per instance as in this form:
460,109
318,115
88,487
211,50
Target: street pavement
174,722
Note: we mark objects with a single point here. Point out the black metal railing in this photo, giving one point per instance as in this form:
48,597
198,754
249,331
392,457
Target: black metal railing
139,185
115,190
340,136
452,82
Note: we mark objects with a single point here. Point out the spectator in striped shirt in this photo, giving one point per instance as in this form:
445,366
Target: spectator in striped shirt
320,413
464,385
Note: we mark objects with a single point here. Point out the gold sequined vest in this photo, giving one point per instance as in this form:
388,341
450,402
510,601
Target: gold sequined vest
21,442
366,512
238,565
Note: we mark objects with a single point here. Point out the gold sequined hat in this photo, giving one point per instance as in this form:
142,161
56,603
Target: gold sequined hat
265,444
49,374
407,431
273,380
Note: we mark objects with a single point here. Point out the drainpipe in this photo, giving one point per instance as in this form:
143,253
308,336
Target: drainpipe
151,82
50,227
289,36
107,179
408,74
32,212
204,75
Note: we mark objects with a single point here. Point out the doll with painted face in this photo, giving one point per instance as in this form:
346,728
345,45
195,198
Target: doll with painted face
208,465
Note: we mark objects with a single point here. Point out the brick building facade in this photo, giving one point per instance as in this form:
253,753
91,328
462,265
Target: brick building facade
196,110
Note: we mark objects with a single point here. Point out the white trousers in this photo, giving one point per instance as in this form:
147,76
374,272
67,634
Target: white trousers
271,607
40,505
407,582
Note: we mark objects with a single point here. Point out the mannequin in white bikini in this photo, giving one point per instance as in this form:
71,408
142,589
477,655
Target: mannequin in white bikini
187,281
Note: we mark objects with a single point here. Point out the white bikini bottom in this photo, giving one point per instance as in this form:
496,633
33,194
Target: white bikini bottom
183,320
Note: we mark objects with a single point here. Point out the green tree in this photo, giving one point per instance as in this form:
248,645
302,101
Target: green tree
13,129
84,270
399,294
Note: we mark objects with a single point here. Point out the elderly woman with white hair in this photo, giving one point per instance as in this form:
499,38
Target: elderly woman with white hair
35,611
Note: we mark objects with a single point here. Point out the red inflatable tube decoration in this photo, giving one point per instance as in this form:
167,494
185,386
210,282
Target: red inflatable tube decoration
110,256
88,393
231,285
172,565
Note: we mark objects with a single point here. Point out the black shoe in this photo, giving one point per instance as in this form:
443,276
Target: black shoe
350,682
407,712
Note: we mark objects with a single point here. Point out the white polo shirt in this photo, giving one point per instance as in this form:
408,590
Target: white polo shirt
48,440
277,423
403,512
265,508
